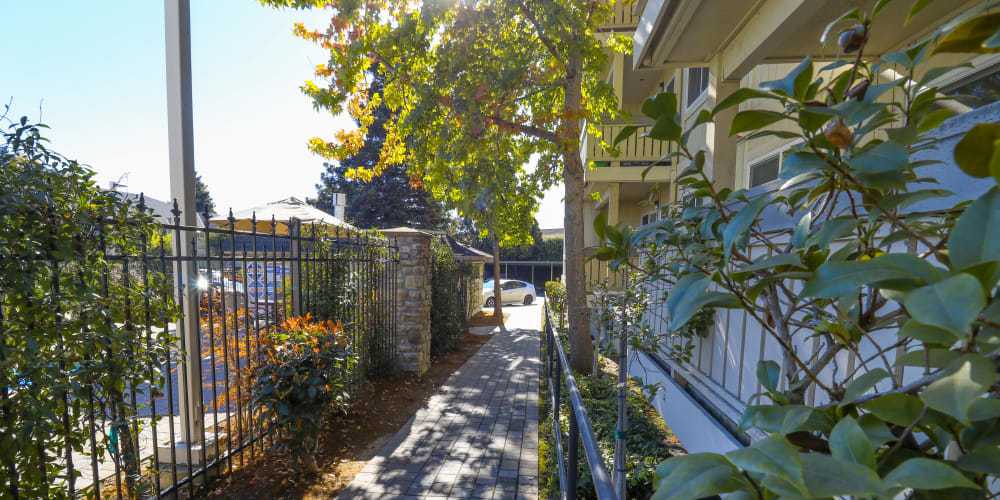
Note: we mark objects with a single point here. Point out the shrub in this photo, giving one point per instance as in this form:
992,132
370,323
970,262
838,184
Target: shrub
555,295
447,307
302,378
70,318
861,274
646,444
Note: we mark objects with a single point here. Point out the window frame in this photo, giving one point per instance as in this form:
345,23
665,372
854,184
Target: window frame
778,151
703,95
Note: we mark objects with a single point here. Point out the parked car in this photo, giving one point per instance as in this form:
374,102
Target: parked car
511,292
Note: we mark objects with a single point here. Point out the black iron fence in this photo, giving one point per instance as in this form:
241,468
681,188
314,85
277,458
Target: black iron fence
192,417
558,373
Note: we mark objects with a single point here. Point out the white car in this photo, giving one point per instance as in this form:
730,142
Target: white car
511,292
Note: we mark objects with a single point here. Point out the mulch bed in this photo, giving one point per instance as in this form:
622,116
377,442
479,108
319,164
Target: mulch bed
486,318
349,441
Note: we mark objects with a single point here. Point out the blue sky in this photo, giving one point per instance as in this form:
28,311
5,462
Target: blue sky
96,73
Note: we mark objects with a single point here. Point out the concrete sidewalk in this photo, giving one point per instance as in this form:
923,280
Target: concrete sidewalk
478,435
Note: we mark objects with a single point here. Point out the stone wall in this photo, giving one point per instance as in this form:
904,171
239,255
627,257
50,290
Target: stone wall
413,299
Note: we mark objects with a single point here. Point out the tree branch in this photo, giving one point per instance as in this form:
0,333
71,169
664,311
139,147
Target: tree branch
526,129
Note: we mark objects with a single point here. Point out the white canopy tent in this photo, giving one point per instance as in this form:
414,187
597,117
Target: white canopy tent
282,211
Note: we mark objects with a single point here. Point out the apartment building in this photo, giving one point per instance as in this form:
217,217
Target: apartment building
703,50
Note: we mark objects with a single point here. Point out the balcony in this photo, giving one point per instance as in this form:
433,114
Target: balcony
635,153
623,19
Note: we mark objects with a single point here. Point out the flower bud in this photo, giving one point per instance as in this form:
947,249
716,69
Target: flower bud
838,134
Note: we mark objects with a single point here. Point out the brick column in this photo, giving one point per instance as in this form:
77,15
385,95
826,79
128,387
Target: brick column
413,299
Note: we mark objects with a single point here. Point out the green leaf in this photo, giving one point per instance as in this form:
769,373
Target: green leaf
625,133
934,119
827,476
666,128
604,254
801,162
697,475
740,223
878,433
952,304
899,409
929,334
985,460
768,373
801,230
892,271
968,378
918,6
878,7
969,36
795,83
686,298
662,104
975,238
782,259
739,96
831,230
974,152
886,157
859,386
600,222
754,119
984,409
848,442
772,456
927,474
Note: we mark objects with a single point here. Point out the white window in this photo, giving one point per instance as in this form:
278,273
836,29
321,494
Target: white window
697,84
652,215
978,89
765,170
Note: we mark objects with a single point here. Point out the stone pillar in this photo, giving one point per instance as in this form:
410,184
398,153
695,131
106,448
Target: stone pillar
413,299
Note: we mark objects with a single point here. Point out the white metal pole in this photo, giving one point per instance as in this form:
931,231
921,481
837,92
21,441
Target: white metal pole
177,21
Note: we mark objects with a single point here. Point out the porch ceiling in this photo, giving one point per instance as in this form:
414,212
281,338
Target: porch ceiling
745,33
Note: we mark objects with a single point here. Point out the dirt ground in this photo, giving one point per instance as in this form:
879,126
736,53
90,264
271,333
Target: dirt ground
486,318
348,442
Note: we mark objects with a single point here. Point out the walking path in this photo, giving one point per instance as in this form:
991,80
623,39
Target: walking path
478,435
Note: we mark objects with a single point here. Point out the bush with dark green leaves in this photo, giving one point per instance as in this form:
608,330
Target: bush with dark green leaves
860,273
71,319
303,377
447,305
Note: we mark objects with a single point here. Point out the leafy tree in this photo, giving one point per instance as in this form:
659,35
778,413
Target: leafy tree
506,201
456,72
389,199
862,273
202,199
73,344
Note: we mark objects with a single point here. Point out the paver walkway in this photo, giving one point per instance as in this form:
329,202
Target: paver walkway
478,435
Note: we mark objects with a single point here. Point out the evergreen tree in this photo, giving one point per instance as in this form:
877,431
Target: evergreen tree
202,198
388,200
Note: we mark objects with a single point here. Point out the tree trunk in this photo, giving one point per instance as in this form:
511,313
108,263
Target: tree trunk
497,292
581,347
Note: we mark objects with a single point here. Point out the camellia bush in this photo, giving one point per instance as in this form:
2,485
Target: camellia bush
303,377
860,272
74,347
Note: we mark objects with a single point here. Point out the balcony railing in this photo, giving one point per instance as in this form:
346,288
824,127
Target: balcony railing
634,151
623,19
598,272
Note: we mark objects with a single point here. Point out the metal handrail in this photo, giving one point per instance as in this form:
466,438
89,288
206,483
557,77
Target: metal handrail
579,423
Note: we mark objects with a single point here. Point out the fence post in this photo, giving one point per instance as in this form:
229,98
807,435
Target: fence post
622,431
295,242
412,290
